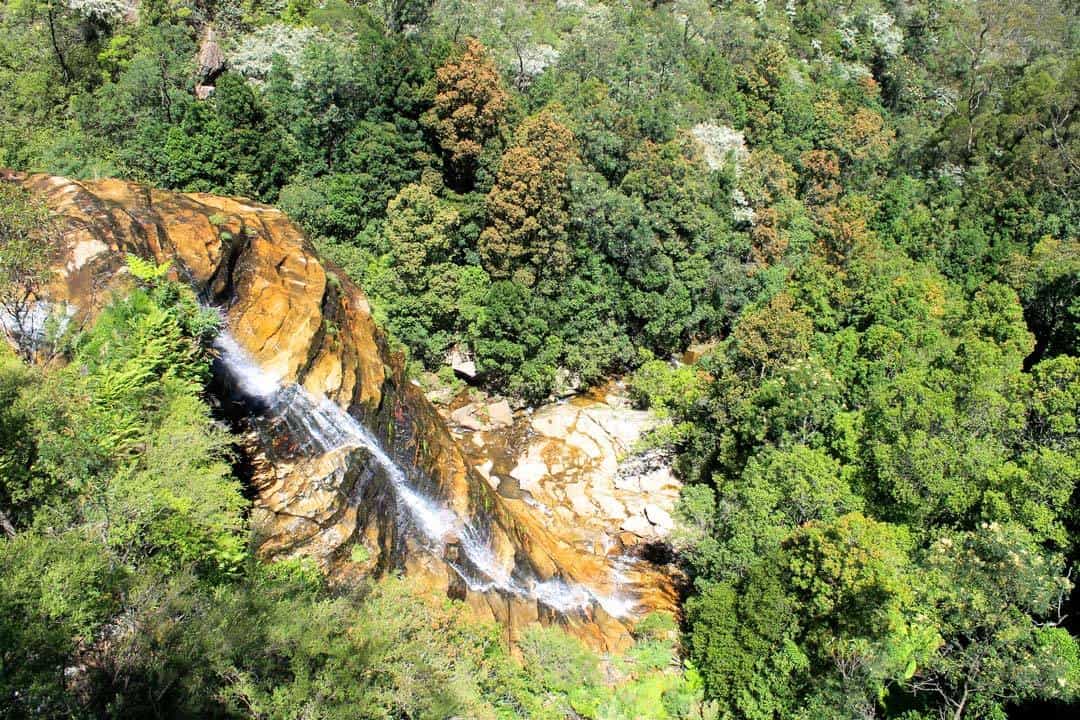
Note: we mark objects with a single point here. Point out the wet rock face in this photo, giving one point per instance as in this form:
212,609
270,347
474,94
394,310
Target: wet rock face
582,465
352,503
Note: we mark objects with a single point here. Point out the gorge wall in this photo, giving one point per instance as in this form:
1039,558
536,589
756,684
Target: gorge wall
349,462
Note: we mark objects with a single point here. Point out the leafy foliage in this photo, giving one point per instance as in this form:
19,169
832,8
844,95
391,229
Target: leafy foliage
468,108
129,590
867,210
29,250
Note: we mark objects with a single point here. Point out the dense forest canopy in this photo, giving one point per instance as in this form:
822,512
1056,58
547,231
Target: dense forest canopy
863,212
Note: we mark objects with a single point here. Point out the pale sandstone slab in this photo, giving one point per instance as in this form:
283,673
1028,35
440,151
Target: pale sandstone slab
580,502
465,417
500,415
659,517
528,474
638,525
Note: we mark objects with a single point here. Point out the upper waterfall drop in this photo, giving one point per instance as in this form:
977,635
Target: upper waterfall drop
249,377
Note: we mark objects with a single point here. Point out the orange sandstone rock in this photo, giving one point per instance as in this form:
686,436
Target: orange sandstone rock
306,323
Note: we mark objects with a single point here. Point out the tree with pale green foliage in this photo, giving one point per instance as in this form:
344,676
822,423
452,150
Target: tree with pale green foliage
30,246
526,239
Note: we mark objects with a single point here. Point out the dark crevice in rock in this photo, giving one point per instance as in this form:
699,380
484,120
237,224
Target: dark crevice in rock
222,284
327,303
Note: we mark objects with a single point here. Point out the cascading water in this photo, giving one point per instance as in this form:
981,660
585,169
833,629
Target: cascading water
318,425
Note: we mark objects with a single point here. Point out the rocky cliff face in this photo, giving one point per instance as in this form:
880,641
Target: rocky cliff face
349,462
579,462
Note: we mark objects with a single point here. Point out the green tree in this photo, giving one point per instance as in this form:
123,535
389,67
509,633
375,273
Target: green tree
225,145
418,230
469,109
31,243
528,215
779,490
57,593
17,491
822,624
996,598
430,299
771,337
743,642
989,38
1048,280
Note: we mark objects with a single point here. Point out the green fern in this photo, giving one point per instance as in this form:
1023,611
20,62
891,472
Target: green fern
147,271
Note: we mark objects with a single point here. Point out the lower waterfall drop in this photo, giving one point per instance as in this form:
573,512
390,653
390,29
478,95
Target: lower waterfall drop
323,426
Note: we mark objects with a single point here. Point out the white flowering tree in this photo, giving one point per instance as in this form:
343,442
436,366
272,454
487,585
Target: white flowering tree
105,10
254,54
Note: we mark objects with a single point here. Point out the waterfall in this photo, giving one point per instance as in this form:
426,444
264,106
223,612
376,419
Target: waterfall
319,425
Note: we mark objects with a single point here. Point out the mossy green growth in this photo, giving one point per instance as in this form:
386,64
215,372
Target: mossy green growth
359,554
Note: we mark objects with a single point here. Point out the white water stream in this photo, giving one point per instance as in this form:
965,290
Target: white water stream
328,427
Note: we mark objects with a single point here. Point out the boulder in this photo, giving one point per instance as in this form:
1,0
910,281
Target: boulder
435,391
461,364
210,60
440,396
617,401
465,417
500,415
696,351
566,384
638,525
657,480
659,517
485,469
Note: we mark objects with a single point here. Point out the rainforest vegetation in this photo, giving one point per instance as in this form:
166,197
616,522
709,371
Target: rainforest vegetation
864,215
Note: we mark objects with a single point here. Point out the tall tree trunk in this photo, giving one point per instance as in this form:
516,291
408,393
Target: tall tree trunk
56,45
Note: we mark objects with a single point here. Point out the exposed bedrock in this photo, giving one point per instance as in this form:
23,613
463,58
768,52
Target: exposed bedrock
349,462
